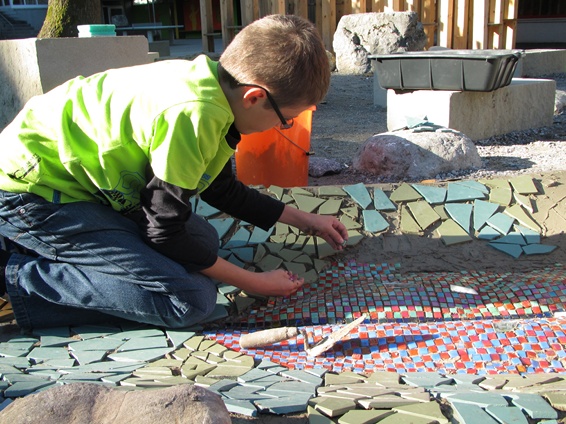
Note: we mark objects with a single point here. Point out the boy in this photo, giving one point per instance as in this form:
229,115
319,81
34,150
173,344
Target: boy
96,178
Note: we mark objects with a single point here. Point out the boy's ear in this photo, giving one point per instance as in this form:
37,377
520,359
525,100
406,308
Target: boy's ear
253,95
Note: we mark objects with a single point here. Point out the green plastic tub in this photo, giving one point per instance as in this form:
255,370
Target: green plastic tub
97,30
456,70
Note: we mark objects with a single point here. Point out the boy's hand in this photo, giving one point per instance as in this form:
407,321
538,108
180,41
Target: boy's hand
329,228
278,283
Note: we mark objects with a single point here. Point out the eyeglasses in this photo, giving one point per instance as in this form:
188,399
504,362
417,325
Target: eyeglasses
285,123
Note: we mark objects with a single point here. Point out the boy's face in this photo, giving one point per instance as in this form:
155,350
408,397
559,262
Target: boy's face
257,113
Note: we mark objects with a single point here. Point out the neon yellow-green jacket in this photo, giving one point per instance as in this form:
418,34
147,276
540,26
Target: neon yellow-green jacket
91,139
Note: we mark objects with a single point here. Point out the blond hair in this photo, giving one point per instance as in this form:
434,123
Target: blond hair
283,53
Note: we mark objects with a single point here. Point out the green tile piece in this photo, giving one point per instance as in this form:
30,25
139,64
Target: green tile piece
287,199
517,212
557,400
233,259
439,209
205,210
482,212
260,252
227,289
288,254
430,410
459,193
333,407
243,303
496,183
538,249
137,343
474,184
308,203
386,402
352,212
298,245
319,265
513,250
138,333
396,418
144,355
323,248
259,235
501,222
277,191
501,195
423,213
274,247
359,193
25,388
88,356
432,194
354,237
242,407
269,263
245,254
524,201
330,207
99,343
461,213
381,202
404,193
316,417
534,406
531,236
513,237
425,379
363,417
52,341
452,233
326,191
488,233
178,337
342,378
93,331
523,184
39,354
408,224
349,223
374,222
302,376
471,414
295,268
18,377
240,238
303,259
298,190
221,225
55,331
297,402
309,247
222,300
507,414
481,399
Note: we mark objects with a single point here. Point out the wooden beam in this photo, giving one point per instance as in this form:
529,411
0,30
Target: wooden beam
510,17
227,21
206,26
328,22
460,32
445,23
479,29
249,10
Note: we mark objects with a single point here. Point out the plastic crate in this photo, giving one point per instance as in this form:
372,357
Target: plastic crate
456,70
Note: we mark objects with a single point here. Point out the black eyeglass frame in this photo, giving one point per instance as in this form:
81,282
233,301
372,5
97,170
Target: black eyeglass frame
285,123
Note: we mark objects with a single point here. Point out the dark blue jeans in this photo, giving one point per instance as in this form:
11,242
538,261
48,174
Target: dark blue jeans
88,264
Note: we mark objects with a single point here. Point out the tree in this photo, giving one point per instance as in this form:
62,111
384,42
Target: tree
63,16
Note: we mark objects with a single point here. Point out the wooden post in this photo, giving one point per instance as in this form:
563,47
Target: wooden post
206,26
510,20
328,22
460,34
479,29
249,10
445,22
227,21
428,16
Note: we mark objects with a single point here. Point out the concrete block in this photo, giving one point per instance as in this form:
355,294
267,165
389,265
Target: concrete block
538,62
161,47
524,104
34,66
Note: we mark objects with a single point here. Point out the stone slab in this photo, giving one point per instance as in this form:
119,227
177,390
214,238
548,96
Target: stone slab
525,103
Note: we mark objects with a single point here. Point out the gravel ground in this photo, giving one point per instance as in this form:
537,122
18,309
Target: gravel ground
348,117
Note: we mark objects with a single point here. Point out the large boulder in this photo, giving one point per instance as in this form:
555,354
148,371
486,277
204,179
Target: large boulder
410,154
91,403
359,35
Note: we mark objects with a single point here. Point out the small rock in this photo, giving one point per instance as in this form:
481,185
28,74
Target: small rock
414,155
319,167
81,402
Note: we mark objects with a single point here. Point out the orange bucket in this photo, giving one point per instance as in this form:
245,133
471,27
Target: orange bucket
276,157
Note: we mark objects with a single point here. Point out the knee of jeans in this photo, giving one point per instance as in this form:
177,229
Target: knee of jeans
201,305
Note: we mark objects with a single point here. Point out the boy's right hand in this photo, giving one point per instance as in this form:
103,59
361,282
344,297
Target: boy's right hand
278,283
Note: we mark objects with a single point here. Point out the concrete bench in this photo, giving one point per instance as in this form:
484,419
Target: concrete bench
524,104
